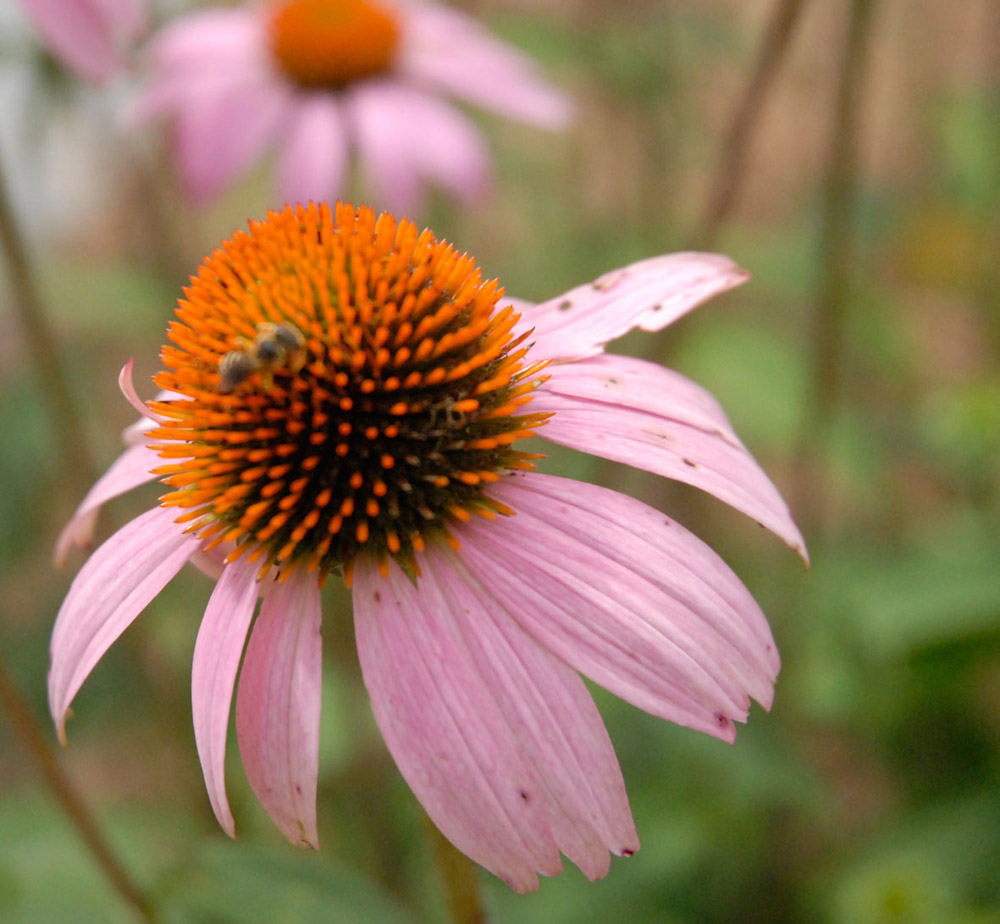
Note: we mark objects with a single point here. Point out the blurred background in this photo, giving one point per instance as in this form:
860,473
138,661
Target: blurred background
847,153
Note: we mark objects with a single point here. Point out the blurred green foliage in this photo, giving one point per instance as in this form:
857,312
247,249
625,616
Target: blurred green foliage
869,794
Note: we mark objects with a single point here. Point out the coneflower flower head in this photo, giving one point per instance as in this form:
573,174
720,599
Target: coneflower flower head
383,425
343,394
319,80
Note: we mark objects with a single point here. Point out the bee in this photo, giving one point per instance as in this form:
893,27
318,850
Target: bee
276,346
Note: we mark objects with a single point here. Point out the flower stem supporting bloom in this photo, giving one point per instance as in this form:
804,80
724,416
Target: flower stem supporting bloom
25,726
459,879
78,471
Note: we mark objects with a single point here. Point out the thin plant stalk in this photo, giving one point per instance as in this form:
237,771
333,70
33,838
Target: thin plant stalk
837,254
78,470
727,182
37,746
460,879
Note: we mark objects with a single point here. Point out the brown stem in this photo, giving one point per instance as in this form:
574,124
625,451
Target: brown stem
727,181
78,471
460,879
837,252
38,749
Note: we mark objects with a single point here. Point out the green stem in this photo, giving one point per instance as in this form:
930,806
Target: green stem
728,179
38,749
460,878
78,471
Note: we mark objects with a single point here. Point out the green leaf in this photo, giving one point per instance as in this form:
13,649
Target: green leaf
227,883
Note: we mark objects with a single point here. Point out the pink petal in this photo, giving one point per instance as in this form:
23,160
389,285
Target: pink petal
383,130
639,413
446,731
450,151
217,652
210,39
545,713
136,432
446,51
223,129
315,152
278,706
627,597
650,295
112,588
85,33
129,470
127,387
407,137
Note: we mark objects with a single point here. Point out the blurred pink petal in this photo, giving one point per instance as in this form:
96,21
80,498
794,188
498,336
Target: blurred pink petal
629,598
650,295
111,589
217,654
219,134
278,706
452,54
129,470
205,38
406,138
492,733
88,35
314,158
644,415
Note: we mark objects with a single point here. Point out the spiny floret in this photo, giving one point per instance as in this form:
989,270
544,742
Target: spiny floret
401,407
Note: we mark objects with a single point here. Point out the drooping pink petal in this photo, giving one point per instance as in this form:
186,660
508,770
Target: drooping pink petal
314,155
649,295
278,706
447,733
446,51
642,414
129,470
627,597
217,653
112,588
544,710
86,34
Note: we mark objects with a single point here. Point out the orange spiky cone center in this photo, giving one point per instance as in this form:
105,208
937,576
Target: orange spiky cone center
332,43
348,385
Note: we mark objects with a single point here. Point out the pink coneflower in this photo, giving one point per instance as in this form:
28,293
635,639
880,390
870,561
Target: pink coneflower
343,395
315,78
88,36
